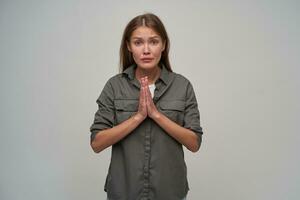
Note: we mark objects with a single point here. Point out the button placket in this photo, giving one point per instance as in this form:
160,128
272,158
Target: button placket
147,150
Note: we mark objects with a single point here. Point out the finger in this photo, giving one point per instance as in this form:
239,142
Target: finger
145,96
142,96
148,91
148,96
144,81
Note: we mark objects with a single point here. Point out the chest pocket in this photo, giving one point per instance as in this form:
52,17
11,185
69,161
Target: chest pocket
124,109
174,110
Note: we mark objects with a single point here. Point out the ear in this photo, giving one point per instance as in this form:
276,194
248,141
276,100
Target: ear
163,46
128,46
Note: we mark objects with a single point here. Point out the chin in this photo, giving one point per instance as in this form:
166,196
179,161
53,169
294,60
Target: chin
147,65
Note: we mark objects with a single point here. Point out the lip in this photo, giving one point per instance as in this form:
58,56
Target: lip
147,59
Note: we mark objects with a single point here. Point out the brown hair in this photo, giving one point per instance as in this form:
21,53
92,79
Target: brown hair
152,21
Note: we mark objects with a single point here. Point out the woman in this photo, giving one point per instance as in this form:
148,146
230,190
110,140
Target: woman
146,113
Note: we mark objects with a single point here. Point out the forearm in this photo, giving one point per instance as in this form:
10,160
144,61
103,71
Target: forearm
108,137
183,135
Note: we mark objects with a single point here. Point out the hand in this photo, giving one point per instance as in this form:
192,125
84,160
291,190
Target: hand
152,111
142,109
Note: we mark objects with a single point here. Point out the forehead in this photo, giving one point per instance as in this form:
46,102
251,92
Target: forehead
144,32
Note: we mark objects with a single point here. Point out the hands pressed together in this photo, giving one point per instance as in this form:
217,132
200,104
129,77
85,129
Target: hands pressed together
146,105
146,109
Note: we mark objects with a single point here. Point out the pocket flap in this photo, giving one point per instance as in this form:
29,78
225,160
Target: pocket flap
172,105
126,104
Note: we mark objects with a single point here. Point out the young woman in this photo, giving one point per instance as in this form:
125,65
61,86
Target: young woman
146,113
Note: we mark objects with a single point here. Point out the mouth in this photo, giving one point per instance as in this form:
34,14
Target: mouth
147,60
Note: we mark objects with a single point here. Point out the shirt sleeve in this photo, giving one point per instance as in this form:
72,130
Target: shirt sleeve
104,117
191,113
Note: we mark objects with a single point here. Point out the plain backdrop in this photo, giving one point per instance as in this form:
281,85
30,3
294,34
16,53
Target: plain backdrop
242,58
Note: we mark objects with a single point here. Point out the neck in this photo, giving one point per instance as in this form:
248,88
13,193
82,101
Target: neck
152,74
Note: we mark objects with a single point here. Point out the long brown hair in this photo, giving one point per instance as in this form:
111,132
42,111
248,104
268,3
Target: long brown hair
149,20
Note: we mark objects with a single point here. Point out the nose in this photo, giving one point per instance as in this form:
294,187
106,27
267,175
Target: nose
146,49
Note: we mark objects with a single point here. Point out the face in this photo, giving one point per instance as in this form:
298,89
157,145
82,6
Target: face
146,47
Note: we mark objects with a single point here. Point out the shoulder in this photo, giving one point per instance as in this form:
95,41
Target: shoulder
182,82
181,79
115,79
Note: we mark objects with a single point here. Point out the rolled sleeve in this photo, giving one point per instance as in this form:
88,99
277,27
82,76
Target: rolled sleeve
191,113
104,117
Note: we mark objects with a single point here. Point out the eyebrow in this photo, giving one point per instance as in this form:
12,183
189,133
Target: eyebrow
153,37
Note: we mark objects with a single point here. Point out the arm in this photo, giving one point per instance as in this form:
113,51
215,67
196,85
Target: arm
109,134
183,135
108,137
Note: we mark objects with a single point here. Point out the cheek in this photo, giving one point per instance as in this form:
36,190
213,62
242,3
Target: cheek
136,52
135,56
157,52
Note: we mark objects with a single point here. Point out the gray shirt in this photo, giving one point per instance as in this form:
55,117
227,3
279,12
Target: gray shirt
148,164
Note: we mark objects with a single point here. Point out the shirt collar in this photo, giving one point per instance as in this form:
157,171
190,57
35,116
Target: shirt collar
164,73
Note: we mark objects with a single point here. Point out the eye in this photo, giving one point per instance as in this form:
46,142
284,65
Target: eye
137,43
154,42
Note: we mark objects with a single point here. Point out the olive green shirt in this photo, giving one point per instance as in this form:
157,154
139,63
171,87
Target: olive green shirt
148,164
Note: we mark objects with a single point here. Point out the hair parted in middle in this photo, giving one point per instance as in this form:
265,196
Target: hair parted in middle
151,21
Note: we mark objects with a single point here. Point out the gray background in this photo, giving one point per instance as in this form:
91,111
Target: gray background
241,56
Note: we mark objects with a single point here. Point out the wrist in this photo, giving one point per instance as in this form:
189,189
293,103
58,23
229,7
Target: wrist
138,117
156,115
